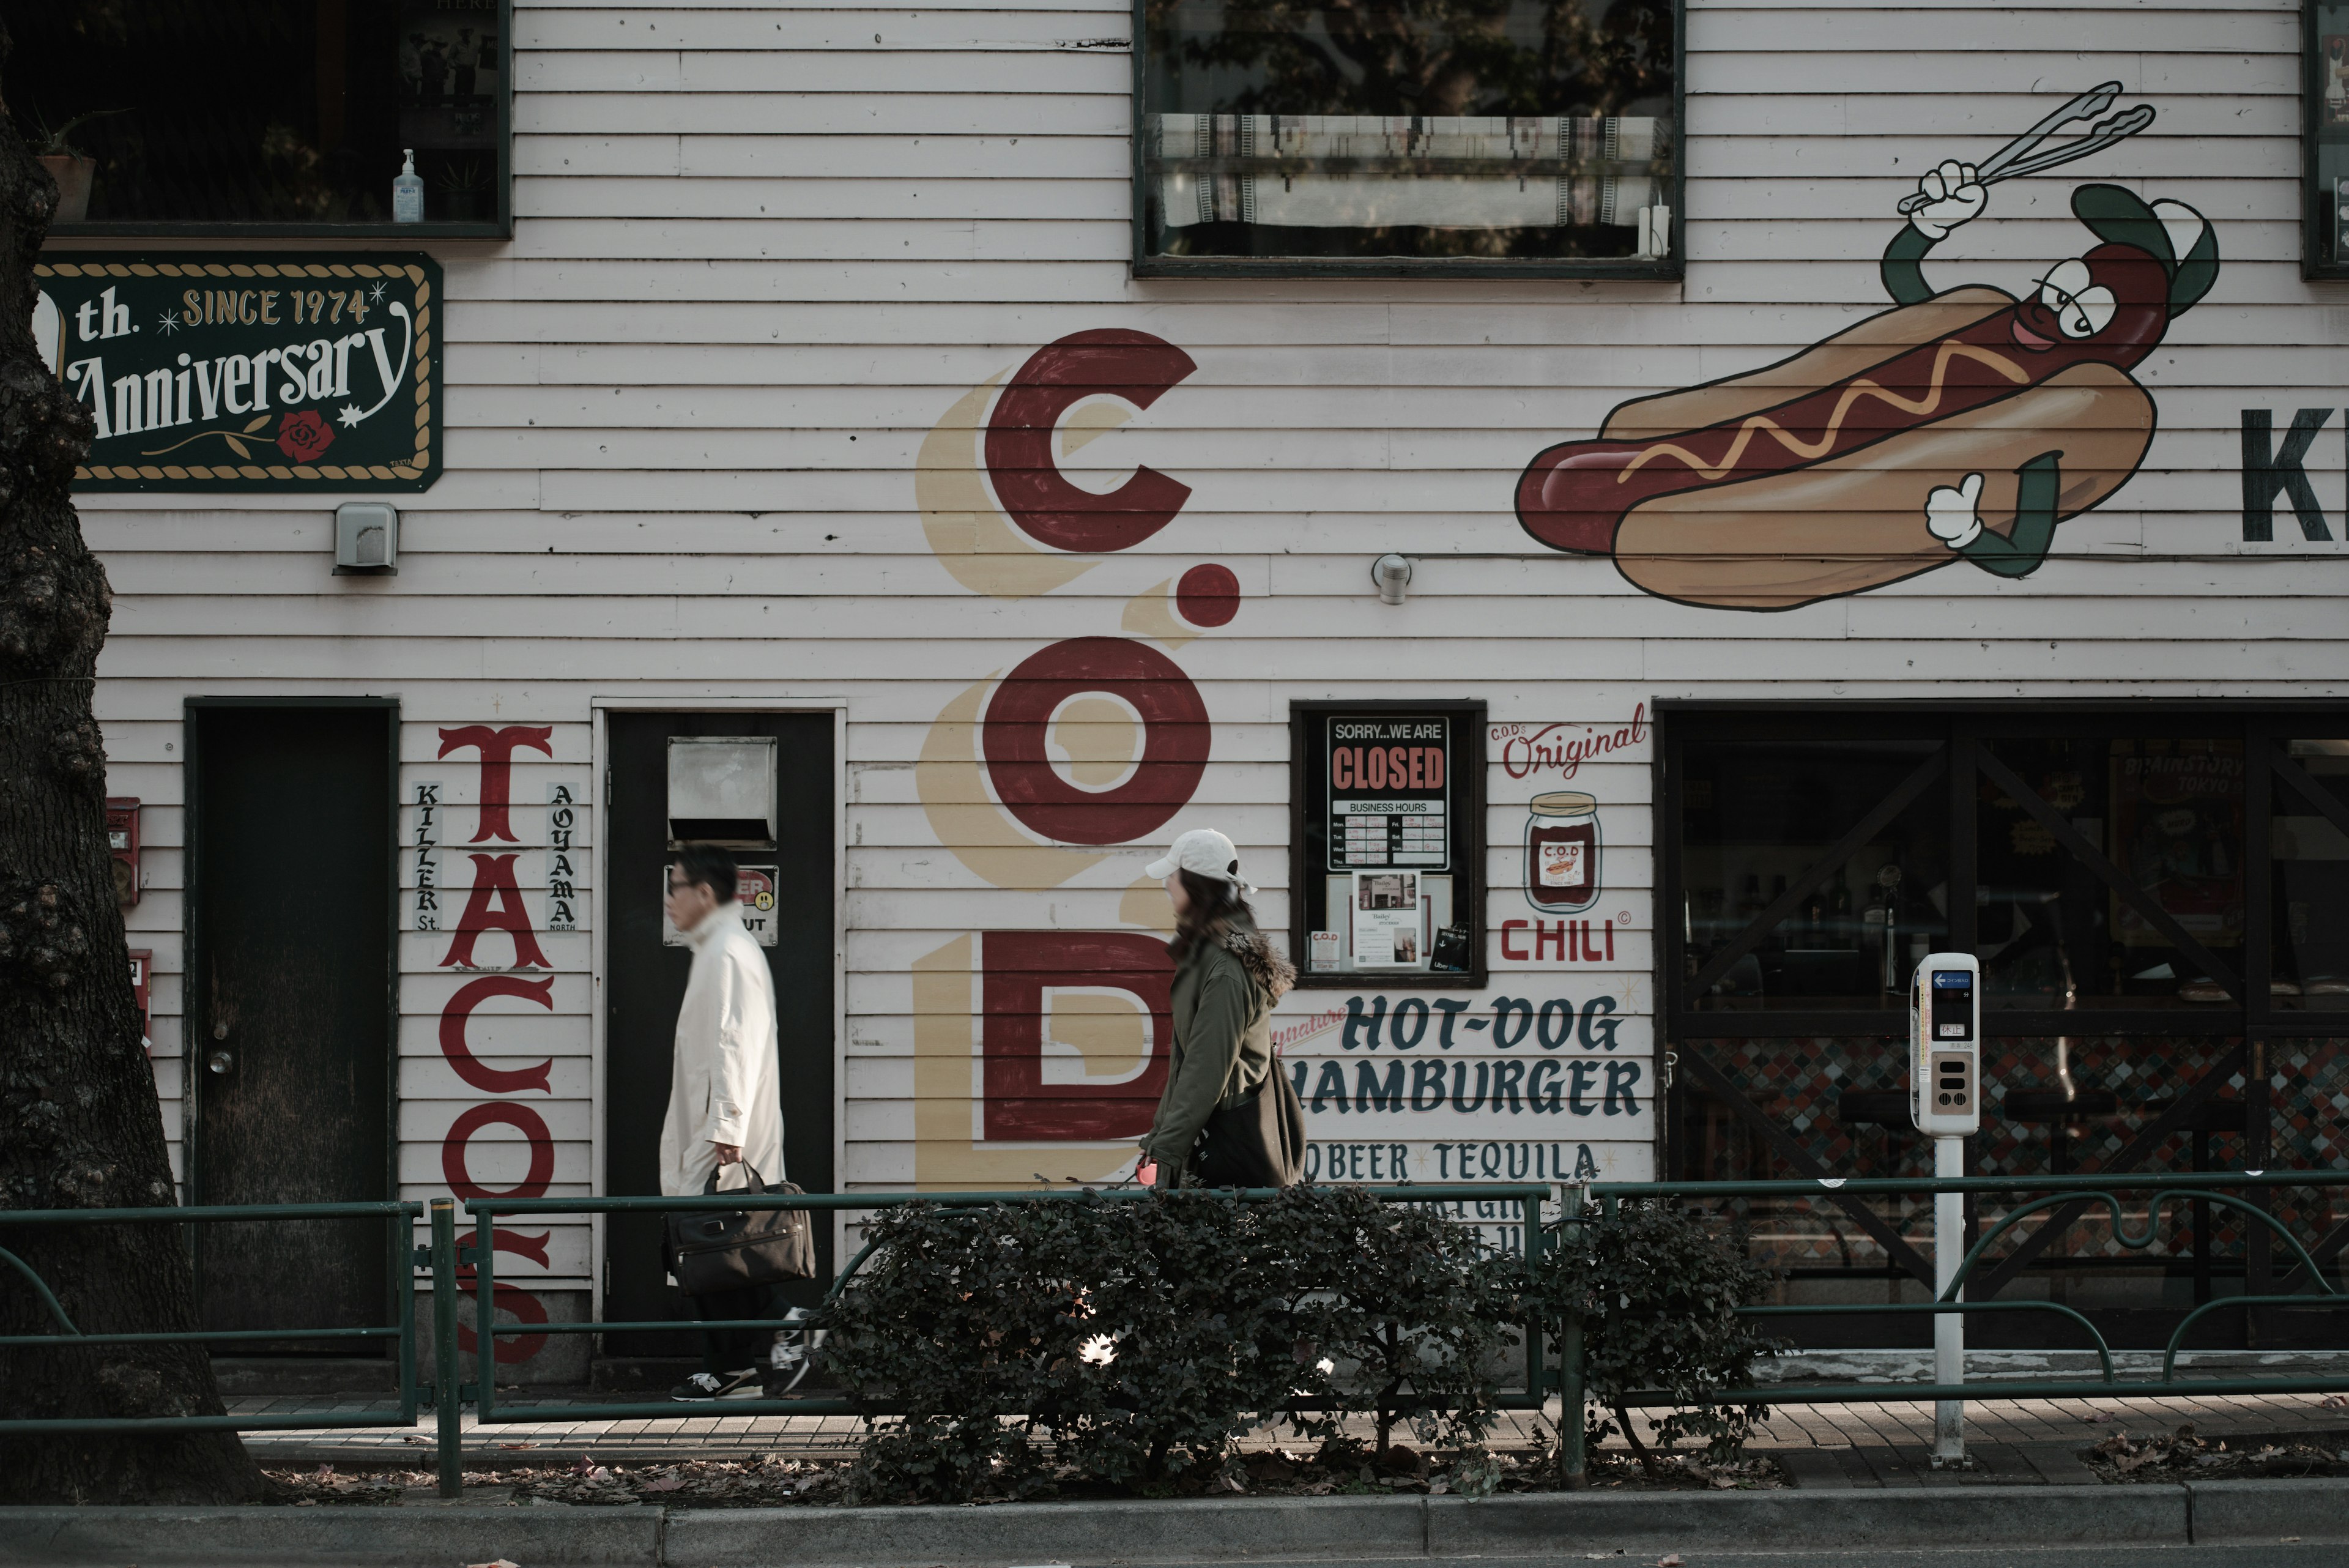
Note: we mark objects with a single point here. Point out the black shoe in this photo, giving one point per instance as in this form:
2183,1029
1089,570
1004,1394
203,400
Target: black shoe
702,1388
793,1353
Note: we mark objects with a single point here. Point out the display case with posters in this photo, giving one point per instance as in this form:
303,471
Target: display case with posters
1387,850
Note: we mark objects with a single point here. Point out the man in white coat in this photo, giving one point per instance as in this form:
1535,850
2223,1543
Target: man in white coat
725,1105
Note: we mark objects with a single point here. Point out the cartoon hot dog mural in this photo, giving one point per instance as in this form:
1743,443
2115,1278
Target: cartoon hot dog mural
1962,424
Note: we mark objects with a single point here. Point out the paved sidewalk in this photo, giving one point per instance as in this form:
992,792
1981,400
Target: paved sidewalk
1882,1439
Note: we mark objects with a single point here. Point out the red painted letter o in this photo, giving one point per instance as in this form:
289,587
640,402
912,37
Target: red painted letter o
527,1121
1175,738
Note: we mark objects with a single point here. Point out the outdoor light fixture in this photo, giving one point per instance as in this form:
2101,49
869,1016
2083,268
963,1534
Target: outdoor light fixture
1391,573
367,539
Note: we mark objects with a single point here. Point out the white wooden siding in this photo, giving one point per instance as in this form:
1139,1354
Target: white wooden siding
761,250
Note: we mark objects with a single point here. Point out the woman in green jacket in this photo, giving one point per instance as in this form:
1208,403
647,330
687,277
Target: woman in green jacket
1228,1117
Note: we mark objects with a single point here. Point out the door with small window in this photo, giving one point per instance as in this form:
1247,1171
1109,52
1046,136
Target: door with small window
785,845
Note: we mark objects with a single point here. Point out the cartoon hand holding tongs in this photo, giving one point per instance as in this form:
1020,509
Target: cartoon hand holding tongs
1955,191
2076,302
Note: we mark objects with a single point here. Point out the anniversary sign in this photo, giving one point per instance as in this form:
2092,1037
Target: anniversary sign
207,371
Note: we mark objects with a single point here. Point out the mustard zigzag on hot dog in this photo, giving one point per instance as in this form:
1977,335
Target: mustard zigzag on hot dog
1924,407
1857,520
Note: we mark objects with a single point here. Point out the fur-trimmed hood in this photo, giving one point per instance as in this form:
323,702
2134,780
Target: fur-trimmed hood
1263,961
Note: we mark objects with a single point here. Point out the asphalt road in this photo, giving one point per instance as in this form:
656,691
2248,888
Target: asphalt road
2279,1555
2276,1555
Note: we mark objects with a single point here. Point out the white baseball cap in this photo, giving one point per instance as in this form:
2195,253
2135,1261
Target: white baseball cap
1204,852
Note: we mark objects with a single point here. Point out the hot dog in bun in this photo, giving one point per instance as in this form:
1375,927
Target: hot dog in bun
1963,422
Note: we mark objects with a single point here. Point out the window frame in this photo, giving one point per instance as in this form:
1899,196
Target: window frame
2315,212
1471,716
2261,726
498,228
1668,268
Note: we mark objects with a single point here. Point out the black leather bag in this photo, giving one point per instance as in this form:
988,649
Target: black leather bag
713,1250
1258,1142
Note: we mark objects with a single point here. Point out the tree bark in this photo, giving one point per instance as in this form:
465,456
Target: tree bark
79,1124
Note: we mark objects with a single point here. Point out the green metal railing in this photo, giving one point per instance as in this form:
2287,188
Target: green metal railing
448,1261
401,1216
2059,1192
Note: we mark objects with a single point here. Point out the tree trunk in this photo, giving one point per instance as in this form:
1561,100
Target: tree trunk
79,1126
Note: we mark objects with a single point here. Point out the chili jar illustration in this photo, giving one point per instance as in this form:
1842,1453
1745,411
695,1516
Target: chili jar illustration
1562,851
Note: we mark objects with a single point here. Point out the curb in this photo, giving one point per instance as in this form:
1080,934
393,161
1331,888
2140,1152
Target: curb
2246,1513
1234,1530
408,1538
1525,1526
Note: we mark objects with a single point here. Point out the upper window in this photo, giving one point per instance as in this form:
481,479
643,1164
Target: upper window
267,117
1285,137
2325,252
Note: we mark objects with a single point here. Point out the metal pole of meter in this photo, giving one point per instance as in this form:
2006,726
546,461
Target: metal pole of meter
1945,1103
1949,1327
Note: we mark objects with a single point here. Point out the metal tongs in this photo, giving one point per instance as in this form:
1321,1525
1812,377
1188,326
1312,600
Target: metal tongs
2017,157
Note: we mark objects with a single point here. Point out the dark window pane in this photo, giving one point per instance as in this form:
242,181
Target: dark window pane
1840,1101
2310,859
1755,818
2168,812
2328,121
1429,128
262,111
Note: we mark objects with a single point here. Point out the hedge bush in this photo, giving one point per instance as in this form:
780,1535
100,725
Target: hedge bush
1145,1336
1659,1292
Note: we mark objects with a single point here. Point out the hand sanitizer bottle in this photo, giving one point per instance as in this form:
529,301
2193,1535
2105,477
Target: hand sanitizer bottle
408,191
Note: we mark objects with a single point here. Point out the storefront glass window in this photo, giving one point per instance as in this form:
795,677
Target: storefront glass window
2308,848
2167,814
1757,816
1522,131
2160,899
1816,1104
274,116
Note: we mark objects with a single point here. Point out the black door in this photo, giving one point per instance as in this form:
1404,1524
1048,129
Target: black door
645,983
290,971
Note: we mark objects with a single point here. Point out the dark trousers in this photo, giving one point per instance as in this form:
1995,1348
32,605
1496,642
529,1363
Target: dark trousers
725,1350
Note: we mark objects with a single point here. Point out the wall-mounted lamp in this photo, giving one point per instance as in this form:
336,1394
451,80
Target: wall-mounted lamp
1391,573
367,539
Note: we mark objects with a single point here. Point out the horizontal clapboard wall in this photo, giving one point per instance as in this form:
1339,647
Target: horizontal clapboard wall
761,252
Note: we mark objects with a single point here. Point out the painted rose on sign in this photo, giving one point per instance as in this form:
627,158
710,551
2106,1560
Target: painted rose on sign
303,435
1963,425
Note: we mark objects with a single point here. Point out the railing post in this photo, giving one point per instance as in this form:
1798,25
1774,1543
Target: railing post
1573,1456
1573,1462
1533,1238
448,1405
485,1317
403,1264
1949,1327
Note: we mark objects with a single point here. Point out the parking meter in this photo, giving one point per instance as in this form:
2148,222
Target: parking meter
1945,1102
1945,1045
